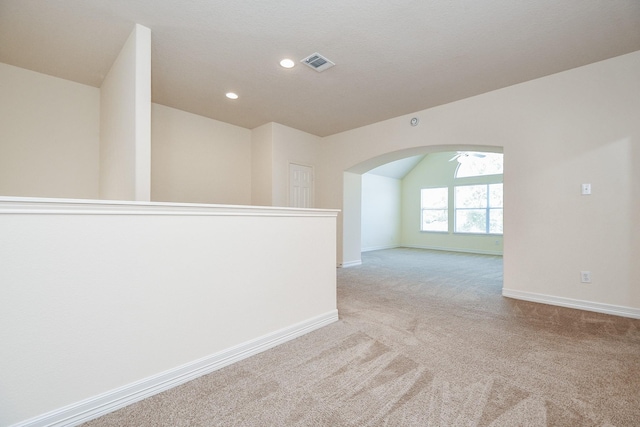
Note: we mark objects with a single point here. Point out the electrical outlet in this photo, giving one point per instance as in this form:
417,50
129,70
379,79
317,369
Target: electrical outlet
586,189
585,276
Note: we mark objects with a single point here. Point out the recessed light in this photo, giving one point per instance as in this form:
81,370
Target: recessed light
287,63
232,95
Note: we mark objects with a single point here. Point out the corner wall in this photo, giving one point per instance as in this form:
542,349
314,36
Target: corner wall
49,137
290,146
196,159
381,212
351,223
273,148
125,122
262,165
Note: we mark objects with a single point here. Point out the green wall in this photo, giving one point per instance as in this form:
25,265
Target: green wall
437,171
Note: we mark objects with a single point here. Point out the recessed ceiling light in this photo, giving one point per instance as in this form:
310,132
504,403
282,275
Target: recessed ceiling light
287,63
232,95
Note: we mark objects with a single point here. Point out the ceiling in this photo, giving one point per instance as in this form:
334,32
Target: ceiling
392,58
399,168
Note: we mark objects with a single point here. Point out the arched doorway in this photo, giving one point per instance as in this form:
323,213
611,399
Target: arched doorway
352,193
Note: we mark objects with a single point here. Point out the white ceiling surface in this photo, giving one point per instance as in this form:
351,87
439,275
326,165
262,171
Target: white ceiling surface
399,168
392,58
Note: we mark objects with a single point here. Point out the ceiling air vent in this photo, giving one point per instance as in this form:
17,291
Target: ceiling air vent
317,62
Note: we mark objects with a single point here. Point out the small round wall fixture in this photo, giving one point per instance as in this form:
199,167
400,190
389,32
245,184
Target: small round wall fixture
232,95
414,121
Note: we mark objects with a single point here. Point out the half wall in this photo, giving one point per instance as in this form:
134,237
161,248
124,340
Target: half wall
106,303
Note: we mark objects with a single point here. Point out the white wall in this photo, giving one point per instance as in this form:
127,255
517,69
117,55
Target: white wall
273,148
290,146
77,331
351,224
262,165
49,136
381,212
557,132
435,170
195,159
125,120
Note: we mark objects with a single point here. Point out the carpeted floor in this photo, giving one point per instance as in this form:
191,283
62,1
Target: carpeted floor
424,338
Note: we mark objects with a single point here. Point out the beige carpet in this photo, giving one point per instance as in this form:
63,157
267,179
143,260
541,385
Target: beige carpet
425,338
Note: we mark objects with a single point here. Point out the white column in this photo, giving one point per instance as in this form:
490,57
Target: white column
125,122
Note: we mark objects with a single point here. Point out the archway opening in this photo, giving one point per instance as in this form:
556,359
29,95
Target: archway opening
408,215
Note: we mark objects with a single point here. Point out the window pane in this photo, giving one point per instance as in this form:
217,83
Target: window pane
435,220
495,195
471,221
471,196
472,205
435,209
435,198
495,221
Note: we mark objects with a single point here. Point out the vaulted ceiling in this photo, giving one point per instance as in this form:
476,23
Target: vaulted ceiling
392,57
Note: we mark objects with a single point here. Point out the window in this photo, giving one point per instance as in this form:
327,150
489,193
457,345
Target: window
478,164
478,209
471,203
435,209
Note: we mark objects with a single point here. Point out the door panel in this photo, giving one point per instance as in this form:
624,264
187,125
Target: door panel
300,186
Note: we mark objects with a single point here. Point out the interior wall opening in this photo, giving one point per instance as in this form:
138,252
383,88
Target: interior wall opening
388,210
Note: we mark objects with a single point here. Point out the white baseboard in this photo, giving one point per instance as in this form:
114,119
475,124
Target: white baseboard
110,401
463,250
351,263
378,248
615,310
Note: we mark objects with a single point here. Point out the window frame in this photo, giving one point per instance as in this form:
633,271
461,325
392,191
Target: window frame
487,209
445,209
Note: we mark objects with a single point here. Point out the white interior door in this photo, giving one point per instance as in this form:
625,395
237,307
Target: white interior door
300,186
